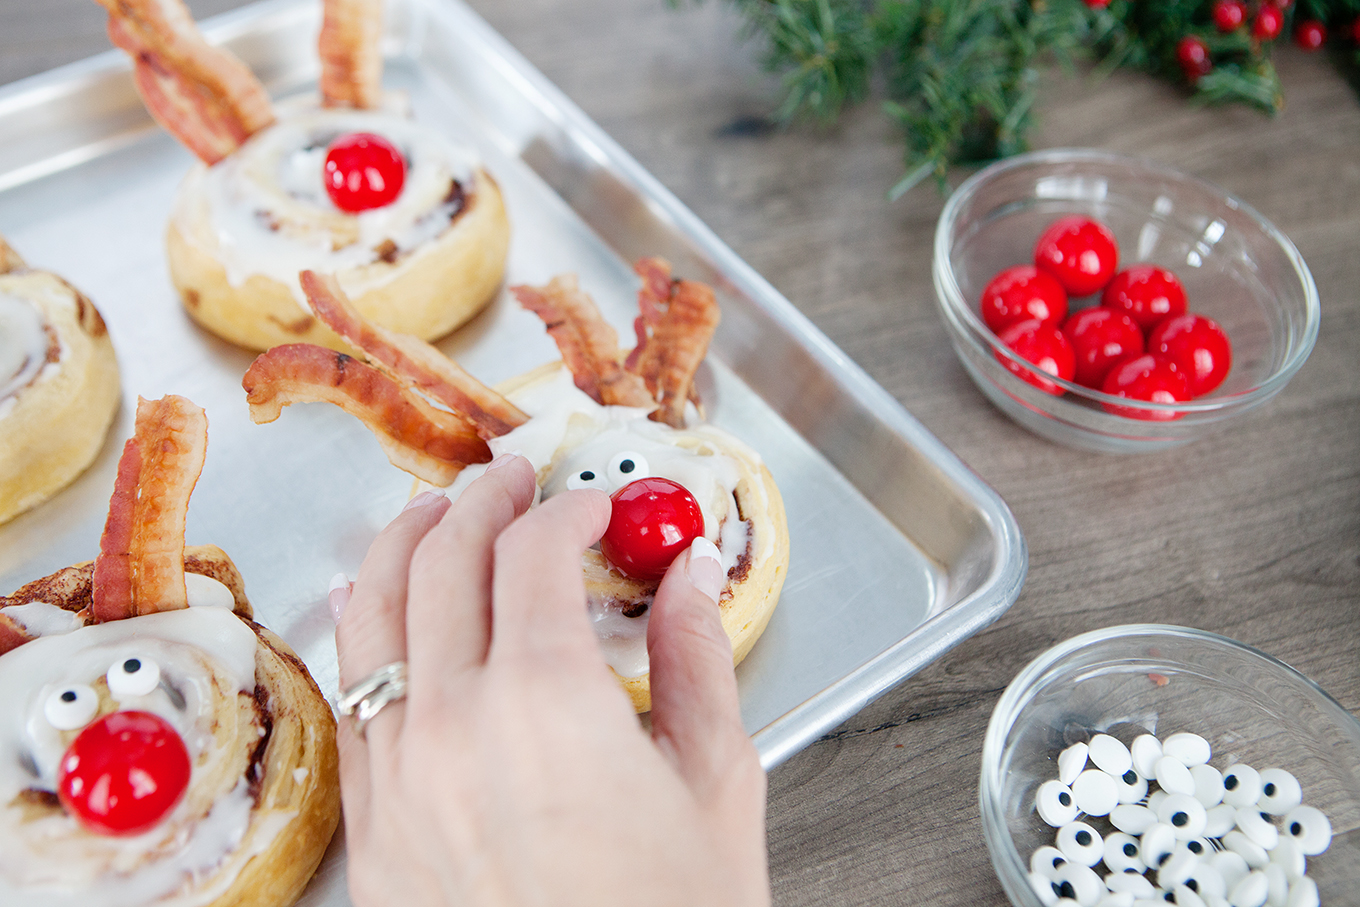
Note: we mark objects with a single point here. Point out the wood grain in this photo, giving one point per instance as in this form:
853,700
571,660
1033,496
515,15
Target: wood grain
1253,532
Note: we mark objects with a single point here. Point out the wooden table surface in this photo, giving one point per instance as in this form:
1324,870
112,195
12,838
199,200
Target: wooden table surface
1253,532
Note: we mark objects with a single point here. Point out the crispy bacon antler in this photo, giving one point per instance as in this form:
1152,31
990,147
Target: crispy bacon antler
589,345
140,568
411,361
201,94
428,443
351,54
677,321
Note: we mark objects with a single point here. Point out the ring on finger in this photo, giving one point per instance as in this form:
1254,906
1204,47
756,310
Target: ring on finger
369,696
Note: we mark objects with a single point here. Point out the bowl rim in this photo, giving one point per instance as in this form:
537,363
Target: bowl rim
949,296
1011,868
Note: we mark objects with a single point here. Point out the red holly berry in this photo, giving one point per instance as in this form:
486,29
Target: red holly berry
1046,347
1097,4
1310,34
653,520
1199,348
123,773
1149,378
1100,338
363,171
1269,21
1080,253
1355,30
1193,55
1229,14
1147,293
1019,294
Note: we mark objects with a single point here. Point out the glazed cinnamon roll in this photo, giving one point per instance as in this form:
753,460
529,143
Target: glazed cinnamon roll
158,747
58,384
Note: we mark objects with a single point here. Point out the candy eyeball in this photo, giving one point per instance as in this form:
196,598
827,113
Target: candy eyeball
624,467
71,707
587,478
133,676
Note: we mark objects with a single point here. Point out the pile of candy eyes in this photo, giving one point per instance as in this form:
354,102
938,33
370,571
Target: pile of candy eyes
1179,830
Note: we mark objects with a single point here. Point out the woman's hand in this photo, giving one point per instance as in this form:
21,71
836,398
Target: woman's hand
515,771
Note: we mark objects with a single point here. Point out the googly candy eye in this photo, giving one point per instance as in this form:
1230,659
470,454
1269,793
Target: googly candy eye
1187,749
1095,792
1257,825
1309,828
1046,860
1207,882
1145,751
1289,855
1303,893
1174,777
587,478
1176,869
626,466
1132,786
1251,891
1185,896
1087,888
1055,804
71,707
1071,762
1081,844
1200,847
1280,792
1186,816
1121,853
1208,784
133,677
1241,785
1157,844
1254,854
1221,820
1134,883
1045,888
1133,819
1109,755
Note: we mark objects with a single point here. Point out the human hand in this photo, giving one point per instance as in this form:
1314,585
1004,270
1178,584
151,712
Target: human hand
515,771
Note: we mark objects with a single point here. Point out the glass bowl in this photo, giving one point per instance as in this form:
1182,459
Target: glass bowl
1236,267
1164,679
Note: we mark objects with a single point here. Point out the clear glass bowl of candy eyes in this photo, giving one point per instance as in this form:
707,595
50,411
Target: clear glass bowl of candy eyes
1235,268
1148,764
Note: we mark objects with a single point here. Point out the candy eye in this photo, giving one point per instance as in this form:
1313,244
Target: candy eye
626,466
586,478
1241,785
1121,853
1310,828
71,707
1081,843
1280,792
1054,803
133,677
1186,816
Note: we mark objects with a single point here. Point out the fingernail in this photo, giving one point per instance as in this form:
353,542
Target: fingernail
502,460
338,595
704,568
420,500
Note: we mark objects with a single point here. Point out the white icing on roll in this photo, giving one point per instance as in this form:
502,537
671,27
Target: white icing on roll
569,432
206,592
206,657
42,619
275,180
23,345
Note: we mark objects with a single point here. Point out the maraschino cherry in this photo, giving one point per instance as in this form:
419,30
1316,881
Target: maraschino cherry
123,773
363,171
653,520
1078,252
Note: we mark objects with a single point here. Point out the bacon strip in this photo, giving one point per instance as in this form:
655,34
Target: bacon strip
9,259
351,55
411,361
428,443
589,346
140,568
202,95
11,634
677,322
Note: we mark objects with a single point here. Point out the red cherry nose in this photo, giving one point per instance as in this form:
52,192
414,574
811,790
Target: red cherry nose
123,773
652,521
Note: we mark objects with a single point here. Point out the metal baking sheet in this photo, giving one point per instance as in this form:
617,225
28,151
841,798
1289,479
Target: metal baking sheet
898,550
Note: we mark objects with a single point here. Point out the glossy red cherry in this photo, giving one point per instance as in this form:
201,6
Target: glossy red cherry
1146,293
1198,346
1193,55
1019,294
1097,4
1046,347
123,773
1101,337
653,520
1150,378
1310,34
1269,21
1229,14
363,171
1079,253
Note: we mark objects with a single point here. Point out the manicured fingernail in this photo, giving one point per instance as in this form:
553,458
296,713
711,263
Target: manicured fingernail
704,568
502,460
420,500
339,595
